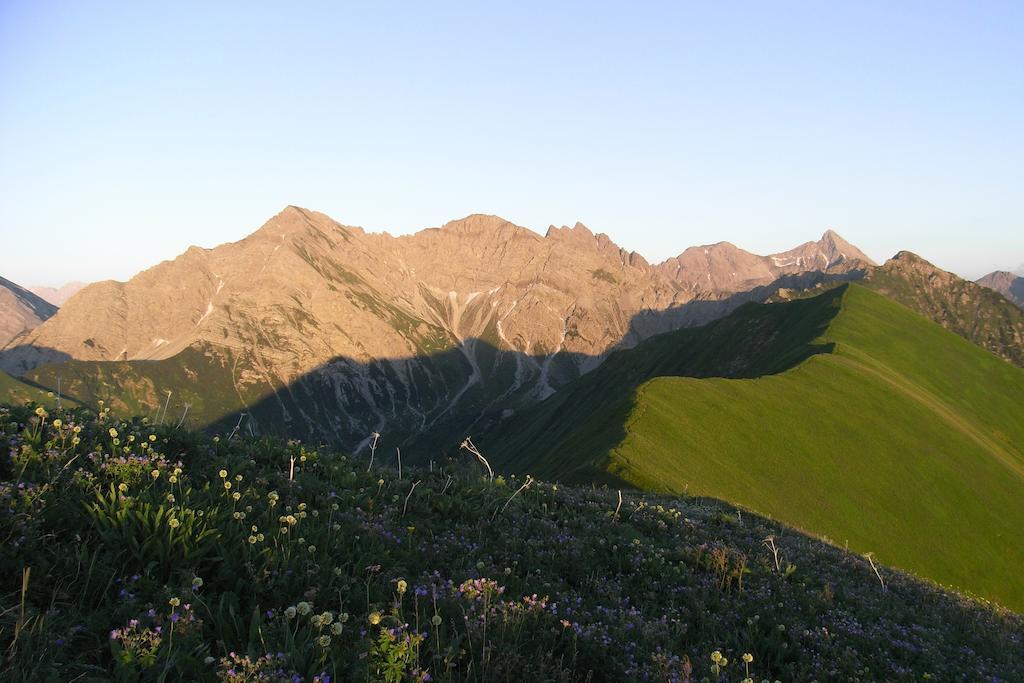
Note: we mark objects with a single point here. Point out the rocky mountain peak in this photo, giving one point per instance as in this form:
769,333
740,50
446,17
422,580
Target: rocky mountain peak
577,232
1006,283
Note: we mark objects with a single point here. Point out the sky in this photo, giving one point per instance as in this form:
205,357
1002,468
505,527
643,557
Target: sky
129,131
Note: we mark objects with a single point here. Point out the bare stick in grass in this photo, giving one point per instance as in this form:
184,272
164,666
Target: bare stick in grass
237,426
769,543
183,414
373,449
870,557
406,506
526,484
166,403
468,445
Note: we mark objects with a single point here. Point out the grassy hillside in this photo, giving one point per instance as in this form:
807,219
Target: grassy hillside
897,437
15,391
141,553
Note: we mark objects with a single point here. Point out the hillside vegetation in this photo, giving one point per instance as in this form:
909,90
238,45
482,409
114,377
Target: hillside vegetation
142,553
852,418
988,318
15,391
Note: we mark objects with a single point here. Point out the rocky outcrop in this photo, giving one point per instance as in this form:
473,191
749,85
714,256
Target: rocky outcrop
976,313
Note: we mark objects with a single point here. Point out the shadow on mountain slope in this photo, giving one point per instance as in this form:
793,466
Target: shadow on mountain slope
427,404
754,341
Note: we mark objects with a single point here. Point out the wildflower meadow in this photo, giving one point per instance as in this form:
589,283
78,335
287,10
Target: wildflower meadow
140,552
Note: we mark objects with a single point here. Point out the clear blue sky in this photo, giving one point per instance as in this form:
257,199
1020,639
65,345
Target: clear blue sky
130,130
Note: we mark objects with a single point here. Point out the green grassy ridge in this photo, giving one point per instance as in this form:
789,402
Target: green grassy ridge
573,430
903,439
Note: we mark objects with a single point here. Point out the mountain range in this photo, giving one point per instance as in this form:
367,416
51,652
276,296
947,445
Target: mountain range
324,331
334,332
876,404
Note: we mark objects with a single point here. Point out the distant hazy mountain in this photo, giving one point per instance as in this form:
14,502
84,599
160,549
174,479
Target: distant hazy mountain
974,312
57,295
326,331
20,310
1008,284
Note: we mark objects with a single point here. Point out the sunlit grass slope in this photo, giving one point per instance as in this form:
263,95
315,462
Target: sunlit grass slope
902,439
15,391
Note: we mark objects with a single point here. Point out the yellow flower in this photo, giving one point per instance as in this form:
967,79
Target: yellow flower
227,485
77,429
173,479
304,608
40,411
174,602
76,441
716,656
748,658
57,423
236,495
223,474
173,523
252,540
324,641
337,628
402,586
152,437
112,432
122,487
155,474
374,618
